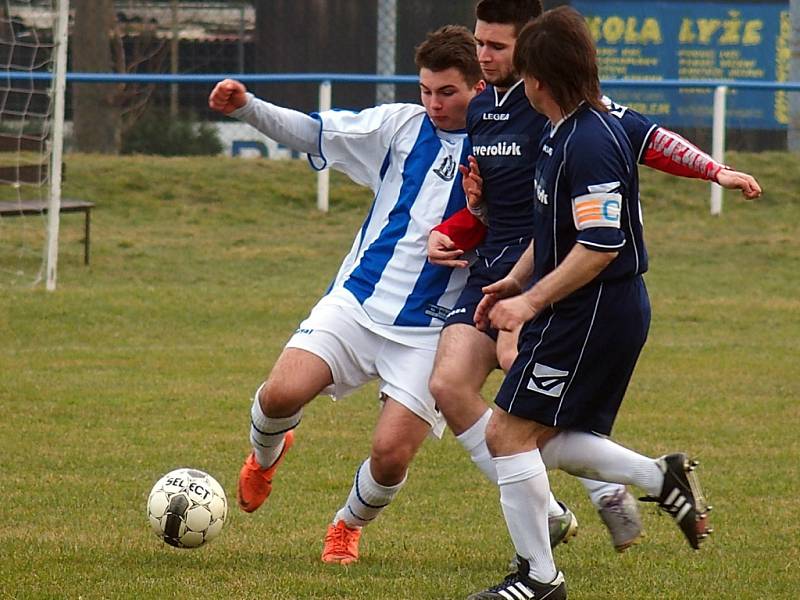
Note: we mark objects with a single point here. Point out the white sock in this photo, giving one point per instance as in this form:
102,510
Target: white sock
600,489
554,509
367,498
474,441
266,433
596,457
524,493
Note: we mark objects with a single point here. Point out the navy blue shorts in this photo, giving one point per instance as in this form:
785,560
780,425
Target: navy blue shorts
492,265
576,359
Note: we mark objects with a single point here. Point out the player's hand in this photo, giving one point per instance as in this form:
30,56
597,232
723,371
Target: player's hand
508,314
734,180
472,183
227,96
442,251
504,288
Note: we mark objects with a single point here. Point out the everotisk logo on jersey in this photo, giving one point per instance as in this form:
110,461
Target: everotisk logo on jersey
498,149
412,168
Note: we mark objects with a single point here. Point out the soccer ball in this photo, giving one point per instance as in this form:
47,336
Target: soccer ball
187,508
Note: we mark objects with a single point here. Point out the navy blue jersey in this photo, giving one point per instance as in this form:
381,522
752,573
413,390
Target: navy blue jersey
587,192
505,130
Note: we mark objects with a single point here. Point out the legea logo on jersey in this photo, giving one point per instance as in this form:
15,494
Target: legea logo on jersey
446,169
547,150
498,149
547,380
496,116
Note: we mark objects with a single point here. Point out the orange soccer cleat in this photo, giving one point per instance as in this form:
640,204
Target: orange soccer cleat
255,482
341,544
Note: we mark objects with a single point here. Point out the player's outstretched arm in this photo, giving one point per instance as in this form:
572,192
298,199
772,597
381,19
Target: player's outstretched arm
669,152
735,180
227,96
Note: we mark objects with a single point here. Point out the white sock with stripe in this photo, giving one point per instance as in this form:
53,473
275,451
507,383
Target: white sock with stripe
367,498
524,493
266,433
597,457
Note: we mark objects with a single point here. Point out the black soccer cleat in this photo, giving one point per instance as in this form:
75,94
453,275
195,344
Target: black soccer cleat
682,497
520,586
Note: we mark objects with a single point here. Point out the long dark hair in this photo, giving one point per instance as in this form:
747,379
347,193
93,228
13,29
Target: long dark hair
558,50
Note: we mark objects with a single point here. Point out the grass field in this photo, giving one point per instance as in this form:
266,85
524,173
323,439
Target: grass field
201,269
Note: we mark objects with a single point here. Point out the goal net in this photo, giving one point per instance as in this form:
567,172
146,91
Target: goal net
33,37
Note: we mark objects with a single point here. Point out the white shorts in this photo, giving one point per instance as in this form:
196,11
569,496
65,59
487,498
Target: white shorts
357,355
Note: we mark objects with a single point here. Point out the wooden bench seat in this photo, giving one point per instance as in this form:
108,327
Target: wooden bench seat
38,207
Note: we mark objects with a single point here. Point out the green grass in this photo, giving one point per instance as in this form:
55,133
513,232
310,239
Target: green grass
201,269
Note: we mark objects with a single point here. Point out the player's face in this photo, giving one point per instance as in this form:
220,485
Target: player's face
495,45
446,95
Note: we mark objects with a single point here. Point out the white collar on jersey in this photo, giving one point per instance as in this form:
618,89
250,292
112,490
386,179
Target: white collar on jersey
451,136
554,127
498,102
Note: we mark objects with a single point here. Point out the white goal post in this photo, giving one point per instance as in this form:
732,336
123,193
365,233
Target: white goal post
61,35
33,69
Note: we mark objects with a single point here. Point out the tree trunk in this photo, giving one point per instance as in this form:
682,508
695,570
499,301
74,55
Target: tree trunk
96,112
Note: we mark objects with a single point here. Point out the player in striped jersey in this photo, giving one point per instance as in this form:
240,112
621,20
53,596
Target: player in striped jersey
382,315
503,129
586,315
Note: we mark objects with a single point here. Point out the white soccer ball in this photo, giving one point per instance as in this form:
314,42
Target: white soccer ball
187,508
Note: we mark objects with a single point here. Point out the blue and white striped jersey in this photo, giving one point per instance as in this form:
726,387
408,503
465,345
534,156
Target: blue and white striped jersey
412,168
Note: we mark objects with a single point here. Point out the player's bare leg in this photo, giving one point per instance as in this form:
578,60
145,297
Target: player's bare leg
297,378
464,359
398,436
507,348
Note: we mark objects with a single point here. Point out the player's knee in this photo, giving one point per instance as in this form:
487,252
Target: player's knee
278,399
444,387
389,462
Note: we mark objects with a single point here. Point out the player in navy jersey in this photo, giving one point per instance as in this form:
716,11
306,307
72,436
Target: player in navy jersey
382,315
503,129
585,317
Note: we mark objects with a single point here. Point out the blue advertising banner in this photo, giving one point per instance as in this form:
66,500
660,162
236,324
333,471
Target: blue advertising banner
694,40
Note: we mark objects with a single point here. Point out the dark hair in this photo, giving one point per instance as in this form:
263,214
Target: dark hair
558,50
451,46
509,12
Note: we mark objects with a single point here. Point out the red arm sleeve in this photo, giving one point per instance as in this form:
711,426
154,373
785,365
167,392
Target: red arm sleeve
466,231
670,153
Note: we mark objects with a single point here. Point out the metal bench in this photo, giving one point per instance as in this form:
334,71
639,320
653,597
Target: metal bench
35,174
37,207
